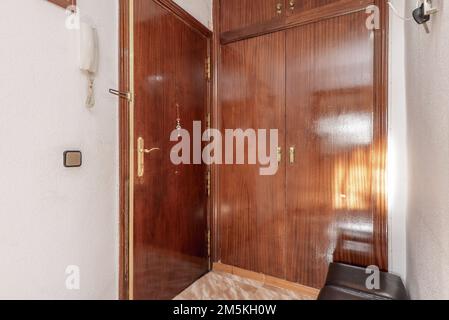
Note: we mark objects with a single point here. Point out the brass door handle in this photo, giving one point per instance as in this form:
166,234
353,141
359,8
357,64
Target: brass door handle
279,155
141,152
292,155
150,150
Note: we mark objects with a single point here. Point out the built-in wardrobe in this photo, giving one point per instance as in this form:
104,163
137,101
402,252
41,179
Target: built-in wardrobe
316,71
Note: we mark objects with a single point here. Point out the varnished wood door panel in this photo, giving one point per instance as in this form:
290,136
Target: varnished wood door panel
330,112
170,214
64,3
236,14
251,206
300,6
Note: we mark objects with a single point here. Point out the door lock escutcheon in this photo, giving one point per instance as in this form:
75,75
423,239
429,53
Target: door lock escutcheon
141,152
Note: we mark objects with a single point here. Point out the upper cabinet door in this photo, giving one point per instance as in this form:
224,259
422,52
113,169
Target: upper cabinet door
302,6
236,14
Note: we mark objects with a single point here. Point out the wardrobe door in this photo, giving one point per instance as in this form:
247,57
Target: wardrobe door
330,113
236,14
252,206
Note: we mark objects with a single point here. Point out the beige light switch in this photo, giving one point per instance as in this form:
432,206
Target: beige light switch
73,159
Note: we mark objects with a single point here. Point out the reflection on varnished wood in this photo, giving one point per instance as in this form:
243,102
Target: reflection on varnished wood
170,209
332,188
166,272
304,5
242,13
252,207
330,112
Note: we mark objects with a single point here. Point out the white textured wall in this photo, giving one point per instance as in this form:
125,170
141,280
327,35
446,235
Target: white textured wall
51,217
427,65
200,9
397,145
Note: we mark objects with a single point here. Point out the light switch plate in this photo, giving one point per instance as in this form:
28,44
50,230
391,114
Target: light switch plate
73,159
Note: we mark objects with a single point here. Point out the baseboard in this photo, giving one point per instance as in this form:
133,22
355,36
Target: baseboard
269,280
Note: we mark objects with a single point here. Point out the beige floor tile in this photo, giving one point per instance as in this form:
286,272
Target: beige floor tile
223,286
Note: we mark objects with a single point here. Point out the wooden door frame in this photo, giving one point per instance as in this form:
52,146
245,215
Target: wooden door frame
381,78
126,127
379,184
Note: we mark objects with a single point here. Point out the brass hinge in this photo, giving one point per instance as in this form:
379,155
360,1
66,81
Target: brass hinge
208,121
208,68
208,183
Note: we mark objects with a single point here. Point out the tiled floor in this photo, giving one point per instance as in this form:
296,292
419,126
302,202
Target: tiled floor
224,286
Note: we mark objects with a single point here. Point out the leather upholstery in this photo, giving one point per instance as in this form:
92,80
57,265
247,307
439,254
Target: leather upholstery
336,293
345,282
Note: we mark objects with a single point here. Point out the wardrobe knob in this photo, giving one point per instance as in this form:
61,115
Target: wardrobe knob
292,4
279,8
292,155
279,154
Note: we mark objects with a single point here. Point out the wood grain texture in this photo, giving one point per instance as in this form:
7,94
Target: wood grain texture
185,17
305,5
170,211
236,14
215,123
63,3
340,68
380,145
311,13
124,150
251,206
330,112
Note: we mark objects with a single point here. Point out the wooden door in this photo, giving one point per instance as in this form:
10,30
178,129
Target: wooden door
170,201
236,14
251,206
330,123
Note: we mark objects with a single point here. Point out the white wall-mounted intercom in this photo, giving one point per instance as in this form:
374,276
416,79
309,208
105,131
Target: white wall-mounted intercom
89,57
